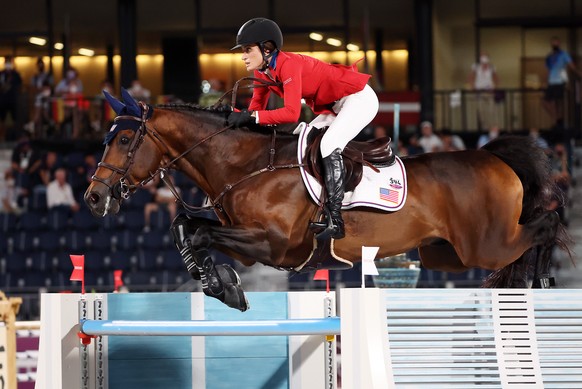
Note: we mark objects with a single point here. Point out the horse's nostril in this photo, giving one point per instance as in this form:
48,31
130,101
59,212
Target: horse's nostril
94,198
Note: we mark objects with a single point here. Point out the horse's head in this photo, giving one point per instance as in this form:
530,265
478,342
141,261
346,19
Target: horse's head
131,157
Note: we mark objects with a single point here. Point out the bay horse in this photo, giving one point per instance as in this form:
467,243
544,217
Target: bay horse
485,208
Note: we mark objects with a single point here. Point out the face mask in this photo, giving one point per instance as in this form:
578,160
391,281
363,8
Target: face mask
70,75
9,182
8,66
484,59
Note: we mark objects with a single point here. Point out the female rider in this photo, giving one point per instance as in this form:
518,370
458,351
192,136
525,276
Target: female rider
328,89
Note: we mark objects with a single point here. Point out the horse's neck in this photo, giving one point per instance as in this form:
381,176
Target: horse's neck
221,158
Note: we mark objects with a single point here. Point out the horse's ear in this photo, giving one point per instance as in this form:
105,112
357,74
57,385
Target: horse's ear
115,104
132,107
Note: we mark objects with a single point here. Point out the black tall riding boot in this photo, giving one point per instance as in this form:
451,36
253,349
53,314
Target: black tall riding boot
335,185
182,241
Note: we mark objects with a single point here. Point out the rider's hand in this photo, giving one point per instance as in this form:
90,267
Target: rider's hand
240,119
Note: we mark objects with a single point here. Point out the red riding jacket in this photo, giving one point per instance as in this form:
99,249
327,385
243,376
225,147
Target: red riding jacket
319,83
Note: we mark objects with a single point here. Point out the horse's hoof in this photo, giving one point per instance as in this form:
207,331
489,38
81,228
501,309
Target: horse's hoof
227,274
235,297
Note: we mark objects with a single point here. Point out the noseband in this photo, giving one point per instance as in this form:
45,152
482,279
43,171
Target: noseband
123,188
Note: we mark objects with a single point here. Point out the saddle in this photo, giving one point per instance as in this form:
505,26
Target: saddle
375,153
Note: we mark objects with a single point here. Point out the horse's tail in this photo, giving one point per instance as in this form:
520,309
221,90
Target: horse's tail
533,168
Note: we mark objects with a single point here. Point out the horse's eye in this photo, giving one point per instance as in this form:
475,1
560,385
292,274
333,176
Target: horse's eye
124,140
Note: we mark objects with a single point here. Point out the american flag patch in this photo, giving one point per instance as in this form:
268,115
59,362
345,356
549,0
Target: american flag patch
389,195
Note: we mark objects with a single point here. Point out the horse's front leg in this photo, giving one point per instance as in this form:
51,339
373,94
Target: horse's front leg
192,239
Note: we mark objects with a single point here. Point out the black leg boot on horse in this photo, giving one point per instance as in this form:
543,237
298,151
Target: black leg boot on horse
334,177
220,281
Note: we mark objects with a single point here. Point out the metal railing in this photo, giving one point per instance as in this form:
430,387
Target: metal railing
510,109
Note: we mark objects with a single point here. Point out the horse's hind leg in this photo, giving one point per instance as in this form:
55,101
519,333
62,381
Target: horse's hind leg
547,227
219,281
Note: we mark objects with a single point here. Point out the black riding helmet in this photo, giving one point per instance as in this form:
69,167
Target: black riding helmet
259,31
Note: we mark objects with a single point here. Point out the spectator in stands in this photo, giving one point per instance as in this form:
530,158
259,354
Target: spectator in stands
413,147
380,132
20,160
534,133
60,193
10,85
42,118
561,176
71,90
483,79
9,193
486,138
451,142
163,197
138,92
41,86
429,141
558,62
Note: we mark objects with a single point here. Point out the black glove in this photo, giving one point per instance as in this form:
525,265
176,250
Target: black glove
240,119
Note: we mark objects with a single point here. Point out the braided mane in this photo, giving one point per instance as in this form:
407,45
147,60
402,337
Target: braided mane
222,110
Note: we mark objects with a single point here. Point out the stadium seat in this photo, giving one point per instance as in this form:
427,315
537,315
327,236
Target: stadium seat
16,262
24,241
139,199
58,218
35,279
160,219
49,241
84,220
126,240
139,278
134,220
38,201
101,240
155,240
124,260
7,222
94,261
32,221
149,260
75,240
173,260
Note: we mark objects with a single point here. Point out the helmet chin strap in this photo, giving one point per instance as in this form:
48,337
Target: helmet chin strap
266,58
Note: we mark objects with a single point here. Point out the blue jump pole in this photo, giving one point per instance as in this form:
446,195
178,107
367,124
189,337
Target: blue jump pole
325,326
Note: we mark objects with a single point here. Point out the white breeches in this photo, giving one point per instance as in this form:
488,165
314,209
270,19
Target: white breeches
353,113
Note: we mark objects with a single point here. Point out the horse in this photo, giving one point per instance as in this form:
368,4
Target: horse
485,208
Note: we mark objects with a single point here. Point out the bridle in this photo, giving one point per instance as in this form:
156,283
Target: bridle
125,185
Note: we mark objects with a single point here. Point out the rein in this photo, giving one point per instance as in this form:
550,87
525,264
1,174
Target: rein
260,83
126,185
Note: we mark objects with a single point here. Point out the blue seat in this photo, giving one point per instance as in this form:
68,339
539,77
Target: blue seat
7,222
24,241
50,241
84,220
139,278
126,240
17,262
35,279
154,240
58,217
134,220
94,261
173,260
40,260
139,199
160,219
55,280
124,260
149,260
37,201
101,240
75,240
32,221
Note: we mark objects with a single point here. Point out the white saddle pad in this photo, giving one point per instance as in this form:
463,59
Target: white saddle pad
385,190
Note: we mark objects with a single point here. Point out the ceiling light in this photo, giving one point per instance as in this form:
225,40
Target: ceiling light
316,36
86,52
59,46
334,42
37,41
352,47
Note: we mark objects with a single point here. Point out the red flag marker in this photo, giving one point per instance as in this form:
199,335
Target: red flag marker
117,280
78,273
322,275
